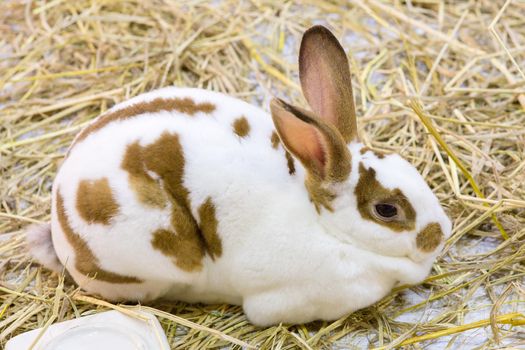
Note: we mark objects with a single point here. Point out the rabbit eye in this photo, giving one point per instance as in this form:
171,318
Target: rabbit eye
386,211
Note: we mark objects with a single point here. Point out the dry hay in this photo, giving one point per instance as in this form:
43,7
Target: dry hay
64,62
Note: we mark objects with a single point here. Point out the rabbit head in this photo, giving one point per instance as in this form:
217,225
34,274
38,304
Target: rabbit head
374,201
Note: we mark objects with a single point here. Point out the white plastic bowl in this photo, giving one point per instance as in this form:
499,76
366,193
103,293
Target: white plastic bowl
109,330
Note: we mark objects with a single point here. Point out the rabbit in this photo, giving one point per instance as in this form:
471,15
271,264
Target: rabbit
192,195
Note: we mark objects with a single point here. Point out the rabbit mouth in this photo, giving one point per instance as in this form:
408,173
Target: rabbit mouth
419,256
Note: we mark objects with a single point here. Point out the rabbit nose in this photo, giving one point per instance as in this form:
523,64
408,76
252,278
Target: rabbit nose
430,237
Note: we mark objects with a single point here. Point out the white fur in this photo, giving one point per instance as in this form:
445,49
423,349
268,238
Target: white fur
281,260
38,239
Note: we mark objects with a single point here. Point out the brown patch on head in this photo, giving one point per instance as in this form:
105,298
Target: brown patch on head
208,225
241,127
378,154
319,194
184,105
275,140
95,202
85,261
147,190
429,238
369,192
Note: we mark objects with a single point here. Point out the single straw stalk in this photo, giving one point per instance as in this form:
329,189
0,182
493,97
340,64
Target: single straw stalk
513,319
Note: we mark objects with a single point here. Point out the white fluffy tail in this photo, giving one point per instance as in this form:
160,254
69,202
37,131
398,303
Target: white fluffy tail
40,245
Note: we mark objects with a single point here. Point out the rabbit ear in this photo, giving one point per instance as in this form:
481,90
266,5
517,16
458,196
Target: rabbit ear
326,80
318,145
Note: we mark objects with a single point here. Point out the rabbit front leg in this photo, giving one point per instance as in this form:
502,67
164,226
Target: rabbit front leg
287,305
275,306
405,270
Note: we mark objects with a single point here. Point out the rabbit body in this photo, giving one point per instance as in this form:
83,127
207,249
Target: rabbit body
275,252
192,195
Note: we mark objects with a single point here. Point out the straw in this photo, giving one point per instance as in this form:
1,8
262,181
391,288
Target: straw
460,64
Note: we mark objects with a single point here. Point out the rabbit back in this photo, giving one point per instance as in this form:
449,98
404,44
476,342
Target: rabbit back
140,194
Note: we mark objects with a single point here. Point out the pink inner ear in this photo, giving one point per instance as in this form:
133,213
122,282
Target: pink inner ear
321,91
320,150
303,140
326,81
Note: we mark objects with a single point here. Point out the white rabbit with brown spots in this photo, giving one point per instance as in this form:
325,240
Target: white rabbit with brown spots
192,195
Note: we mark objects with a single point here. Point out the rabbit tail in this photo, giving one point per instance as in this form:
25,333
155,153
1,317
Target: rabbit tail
40,246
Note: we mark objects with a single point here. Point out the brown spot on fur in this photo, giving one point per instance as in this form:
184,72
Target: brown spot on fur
275,140
85,261
290,162
429,238
184,242
369,191
95,202
319,194
165,157
289,158
187,257
183,105
147,190
208,226
241,127
378,154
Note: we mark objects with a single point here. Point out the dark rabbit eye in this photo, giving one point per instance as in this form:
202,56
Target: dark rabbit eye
386,211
